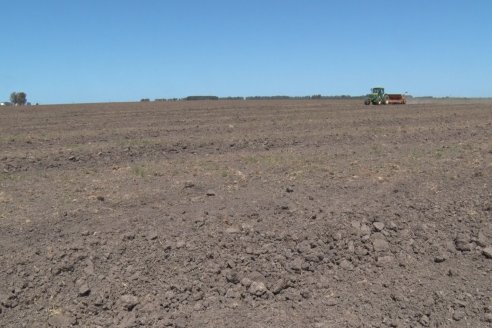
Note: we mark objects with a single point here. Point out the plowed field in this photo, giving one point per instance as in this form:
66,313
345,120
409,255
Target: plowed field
246,214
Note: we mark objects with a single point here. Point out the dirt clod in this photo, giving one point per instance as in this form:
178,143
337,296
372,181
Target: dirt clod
128,302
379,226
380,245
425,321
440,258
233,277
257,288
84,290
487,252
458,314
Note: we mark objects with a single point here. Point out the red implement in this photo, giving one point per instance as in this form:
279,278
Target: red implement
396,99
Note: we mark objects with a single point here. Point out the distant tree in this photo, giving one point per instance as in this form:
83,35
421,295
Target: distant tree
21,98
144,99
18,98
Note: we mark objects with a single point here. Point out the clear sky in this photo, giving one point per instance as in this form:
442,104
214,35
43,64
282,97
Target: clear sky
68,51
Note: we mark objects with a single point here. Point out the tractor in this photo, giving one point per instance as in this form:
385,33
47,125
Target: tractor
378,97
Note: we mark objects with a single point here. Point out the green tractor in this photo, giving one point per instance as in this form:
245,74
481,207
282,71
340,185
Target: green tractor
378,97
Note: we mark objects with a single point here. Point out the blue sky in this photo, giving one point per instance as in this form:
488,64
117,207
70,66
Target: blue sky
102,50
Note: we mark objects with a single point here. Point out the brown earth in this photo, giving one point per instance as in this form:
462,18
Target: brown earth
246,214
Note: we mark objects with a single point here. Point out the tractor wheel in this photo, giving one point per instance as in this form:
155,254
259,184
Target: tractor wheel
379,102
367,102
386,102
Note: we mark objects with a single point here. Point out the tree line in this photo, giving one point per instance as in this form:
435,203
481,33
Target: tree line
279,97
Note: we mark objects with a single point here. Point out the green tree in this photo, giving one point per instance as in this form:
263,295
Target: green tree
18,98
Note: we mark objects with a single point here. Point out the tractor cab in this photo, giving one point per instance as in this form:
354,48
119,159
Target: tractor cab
378,91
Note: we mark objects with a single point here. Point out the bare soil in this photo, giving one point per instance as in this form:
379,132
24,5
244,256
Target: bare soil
246,214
